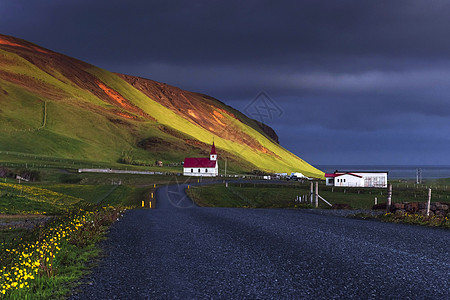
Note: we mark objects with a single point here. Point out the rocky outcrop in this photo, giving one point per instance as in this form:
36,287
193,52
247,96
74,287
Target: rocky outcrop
436,208
268,130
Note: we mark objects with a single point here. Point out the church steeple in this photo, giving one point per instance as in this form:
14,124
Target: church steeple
213,154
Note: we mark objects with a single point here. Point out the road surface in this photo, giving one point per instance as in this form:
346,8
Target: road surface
180,251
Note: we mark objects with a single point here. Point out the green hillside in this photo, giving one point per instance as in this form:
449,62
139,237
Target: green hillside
54,105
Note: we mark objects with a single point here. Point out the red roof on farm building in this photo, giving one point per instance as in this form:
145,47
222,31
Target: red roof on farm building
340,174
350,174
330,175
194,162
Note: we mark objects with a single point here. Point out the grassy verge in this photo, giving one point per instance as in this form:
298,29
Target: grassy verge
247,195
284,195
27,199
44,263
49,234
101,194
409,218
279,196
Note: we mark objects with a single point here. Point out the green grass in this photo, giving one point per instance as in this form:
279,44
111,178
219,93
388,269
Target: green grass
26,113
56,168
89,193
247,195
13,202
8,234
215,196
443,182
277,195
123,195
21,198
87,188
19,205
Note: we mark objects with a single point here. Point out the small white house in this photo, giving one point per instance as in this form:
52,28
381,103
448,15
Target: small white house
357,179
206,167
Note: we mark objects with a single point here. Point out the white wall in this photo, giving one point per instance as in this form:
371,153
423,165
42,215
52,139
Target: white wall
348,180
378,180
211,172
374,179
329,181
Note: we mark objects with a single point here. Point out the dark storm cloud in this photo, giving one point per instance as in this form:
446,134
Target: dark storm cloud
355,74
227,31
385,146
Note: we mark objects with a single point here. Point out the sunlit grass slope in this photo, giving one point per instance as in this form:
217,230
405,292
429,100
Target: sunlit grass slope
51,104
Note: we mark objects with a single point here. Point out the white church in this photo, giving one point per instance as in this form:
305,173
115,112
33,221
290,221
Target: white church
206,167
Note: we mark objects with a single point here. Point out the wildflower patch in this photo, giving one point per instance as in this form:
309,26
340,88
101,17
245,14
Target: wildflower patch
34,264
417,219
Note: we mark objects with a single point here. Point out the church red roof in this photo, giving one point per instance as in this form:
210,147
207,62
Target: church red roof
194,162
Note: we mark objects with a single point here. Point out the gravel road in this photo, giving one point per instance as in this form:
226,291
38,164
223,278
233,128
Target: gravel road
180,251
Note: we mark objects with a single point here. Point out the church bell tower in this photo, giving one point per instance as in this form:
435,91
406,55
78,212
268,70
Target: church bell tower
213,154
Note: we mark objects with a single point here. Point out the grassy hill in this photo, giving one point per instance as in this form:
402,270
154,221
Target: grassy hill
54,105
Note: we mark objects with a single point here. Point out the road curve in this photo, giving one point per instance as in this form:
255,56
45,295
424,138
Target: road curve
181,251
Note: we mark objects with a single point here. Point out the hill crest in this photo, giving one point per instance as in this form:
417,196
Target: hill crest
90,109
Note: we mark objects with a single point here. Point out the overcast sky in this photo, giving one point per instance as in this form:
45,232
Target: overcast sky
349,82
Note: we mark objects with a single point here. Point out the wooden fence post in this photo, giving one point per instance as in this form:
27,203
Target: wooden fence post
317,194
389,198
429,202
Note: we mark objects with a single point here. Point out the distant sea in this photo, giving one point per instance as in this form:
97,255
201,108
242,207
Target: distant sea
395,172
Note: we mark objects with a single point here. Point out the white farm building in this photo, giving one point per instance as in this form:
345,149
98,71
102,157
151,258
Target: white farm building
357,179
